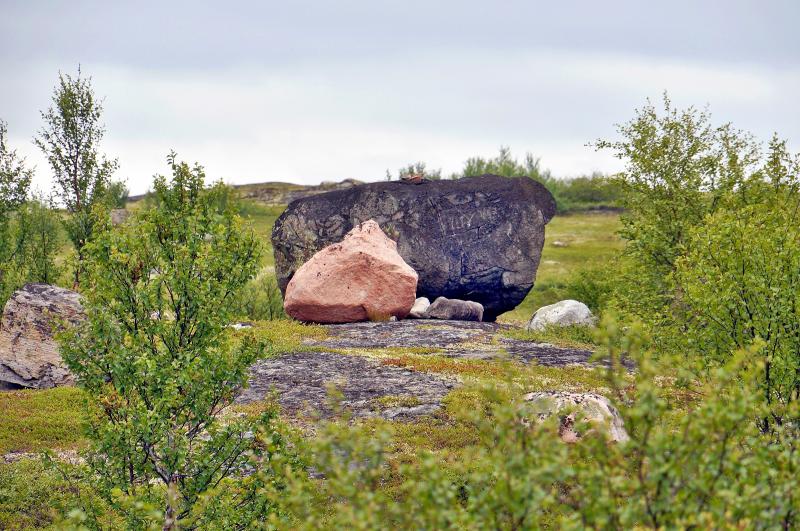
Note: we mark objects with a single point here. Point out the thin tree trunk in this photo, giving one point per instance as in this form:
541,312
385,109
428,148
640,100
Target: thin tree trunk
170,515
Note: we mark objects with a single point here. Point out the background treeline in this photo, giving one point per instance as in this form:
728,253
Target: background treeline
35,228
578,194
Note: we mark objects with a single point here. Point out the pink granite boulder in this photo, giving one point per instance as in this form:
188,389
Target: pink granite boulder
358,279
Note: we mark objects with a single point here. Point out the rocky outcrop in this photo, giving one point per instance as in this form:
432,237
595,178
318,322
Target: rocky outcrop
579,414
453,339
29,354
368,388
478,238
362,278
455,310
563,313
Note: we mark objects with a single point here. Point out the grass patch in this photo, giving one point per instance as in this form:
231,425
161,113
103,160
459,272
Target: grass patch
574,336
286,335
262,217
35,420
32,496
458,367
588,238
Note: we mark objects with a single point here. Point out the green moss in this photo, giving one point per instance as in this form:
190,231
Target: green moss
390,401
36,496
35,420
575,336
286,335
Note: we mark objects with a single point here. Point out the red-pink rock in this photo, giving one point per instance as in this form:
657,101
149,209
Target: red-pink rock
358,279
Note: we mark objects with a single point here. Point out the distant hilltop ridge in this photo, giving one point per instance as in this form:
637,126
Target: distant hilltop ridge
278,193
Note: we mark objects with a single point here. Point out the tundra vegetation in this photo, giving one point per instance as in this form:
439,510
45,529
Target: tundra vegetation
699,288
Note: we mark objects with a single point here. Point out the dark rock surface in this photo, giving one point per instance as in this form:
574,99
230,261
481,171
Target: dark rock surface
478,238
458,339
371,387
302,380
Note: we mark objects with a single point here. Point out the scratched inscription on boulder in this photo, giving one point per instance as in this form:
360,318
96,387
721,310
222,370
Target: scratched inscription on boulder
454,222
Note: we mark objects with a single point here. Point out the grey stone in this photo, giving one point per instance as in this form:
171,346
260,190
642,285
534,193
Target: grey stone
477,238
29,354
595,410
562,313
455,310
455,339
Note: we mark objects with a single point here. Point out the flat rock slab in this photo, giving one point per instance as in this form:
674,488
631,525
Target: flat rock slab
301,381
459,339
406,333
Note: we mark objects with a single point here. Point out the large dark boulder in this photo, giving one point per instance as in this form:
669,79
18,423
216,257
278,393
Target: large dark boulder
478,238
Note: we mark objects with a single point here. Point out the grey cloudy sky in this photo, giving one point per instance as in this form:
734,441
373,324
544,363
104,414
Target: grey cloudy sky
309,91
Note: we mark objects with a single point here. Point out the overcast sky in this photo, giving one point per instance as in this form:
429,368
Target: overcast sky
311,91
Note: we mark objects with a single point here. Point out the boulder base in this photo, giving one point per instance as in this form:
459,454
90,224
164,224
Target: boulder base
28,353
361,278
477,238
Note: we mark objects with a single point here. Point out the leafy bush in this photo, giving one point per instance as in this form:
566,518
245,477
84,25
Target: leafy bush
679,168
581,193
415,168
680,172
116,194
40,237
30,231
740,281
595,192
261,299
155,355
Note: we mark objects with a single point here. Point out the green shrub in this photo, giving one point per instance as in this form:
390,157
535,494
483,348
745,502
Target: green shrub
34,495
261,299
116,194
156,357
581,193
593,284
415,168
740,282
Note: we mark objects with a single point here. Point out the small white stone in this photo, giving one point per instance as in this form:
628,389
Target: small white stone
418,311
563,313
